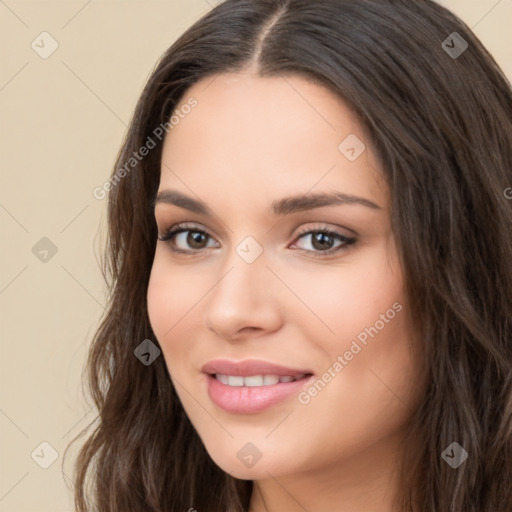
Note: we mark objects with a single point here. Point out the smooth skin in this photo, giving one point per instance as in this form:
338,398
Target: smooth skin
251,141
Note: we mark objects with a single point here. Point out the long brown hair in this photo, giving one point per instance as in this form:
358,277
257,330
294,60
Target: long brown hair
441,124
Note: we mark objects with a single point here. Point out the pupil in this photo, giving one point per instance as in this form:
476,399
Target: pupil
194,239
323,239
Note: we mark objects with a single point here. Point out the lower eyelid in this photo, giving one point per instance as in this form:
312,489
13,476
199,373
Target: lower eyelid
345,241
170,234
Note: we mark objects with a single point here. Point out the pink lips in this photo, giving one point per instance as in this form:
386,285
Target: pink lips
249,367
251,399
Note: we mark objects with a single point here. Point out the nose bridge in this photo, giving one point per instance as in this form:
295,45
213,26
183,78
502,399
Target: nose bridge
243,281
243,296
244,268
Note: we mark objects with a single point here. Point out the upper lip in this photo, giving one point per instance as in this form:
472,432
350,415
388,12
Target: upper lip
250,367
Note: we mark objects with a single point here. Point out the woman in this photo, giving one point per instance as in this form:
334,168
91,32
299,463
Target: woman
311,290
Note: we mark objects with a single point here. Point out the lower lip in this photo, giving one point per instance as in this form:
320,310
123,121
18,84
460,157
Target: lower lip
251,399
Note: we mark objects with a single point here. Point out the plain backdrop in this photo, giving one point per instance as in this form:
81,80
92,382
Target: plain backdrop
62,120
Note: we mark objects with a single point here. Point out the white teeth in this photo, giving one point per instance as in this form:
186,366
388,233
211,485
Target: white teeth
256,380
270,380
222,378
235,381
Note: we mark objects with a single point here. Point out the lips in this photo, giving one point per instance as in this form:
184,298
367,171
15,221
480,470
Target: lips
251,386
256,380
251,367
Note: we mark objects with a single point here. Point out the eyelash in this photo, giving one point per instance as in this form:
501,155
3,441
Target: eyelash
184,227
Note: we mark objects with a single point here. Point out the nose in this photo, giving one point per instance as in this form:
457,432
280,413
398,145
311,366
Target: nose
244,301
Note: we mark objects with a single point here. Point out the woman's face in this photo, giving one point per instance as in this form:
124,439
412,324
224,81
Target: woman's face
285,327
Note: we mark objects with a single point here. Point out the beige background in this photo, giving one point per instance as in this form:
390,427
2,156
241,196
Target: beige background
62,121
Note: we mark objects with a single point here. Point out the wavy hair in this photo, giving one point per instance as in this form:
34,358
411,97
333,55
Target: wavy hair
441,125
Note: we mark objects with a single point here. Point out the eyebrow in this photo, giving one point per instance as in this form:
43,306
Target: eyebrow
280,207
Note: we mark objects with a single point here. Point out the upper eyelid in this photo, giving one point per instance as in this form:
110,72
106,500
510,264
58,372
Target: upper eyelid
192,226
198,227
347,241
185,226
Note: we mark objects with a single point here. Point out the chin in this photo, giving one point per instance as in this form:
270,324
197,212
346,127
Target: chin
236,468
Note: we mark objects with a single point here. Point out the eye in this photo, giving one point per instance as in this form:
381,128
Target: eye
187,238
323,239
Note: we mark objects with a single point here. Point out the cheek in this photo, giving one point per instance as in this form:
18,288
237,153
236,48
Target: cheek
375,329
160,302
366,311
366,292
170,296
369,305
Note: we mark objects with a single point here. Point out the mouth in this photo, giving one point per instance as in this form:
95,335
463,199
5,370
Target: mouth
252,368
250,386
256,380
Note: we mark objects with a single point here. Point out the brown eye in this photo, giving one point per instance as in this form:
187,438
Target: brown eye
196,239
185,238
323,241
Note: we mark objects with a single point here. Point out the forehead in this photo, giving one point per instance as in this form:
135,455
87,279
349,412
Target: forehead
266,136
